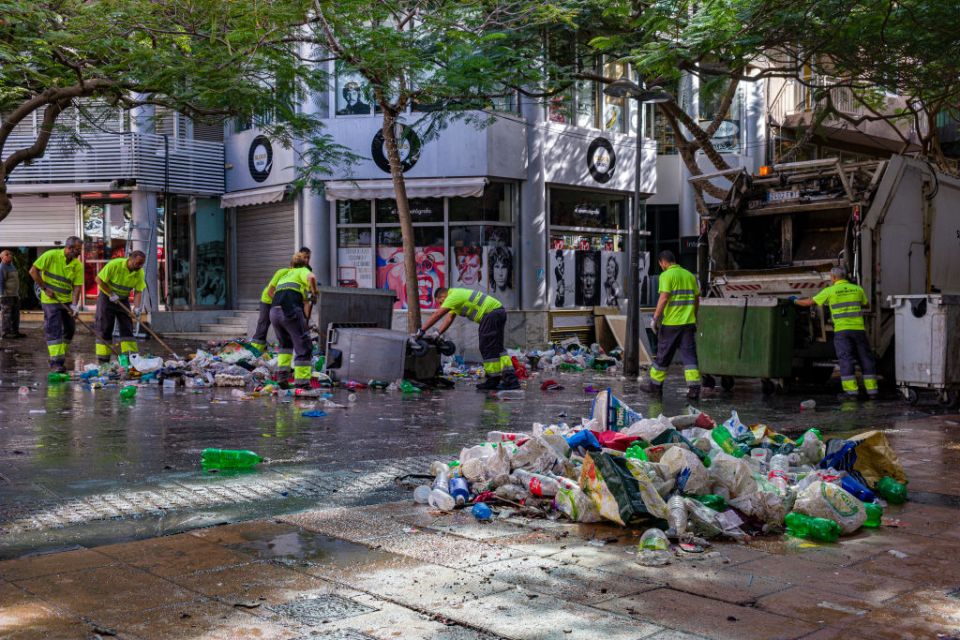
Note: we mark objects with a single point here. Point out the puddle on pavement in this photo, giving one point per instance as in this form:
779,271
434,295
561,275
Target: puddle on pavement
303,548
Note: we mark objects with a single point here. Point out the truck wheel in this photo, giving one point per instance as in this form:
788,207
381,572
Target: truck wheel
912,396
708,381
726,382
768,386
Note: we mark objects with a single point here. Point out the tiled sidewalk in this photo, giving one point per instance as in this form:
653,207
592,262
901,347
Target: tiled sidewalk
398,571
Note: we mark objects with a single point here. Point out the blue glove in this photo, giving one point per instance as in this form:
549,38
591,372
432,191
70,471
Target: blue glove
793,299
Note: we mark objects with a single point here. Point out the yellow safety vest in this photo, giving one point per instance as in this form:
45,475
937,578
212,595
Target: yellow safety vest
469,303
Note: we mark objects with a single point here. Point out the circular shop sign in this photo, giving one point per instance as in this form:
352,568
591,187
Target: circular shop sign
408,146
260,158
601,160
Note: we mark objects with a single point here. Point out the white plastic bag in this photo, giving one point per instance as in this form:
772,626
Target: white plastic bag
833,502
736,428
145,365
731,476
677,458
648,428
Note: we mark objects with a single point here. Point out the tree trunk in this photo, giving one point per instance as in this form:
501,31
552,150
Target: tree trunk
406,223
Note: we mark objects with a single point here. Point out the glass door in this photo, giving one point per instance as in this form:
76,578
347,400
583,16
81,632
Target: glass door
106,228
196,253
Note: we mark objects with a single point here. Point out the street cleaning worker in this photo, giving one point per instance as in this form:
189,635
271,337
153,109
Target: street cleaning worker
847,302
9,297
59,274
492,318
259,338
116,280
293,301
675,323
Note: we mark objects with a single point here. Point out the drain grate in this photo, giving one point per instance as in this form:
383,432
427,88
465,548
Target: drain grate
340,634
322,609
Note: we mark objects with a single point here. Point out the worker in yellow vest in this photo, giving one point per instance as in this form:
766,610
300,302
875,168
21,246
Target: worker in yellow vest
59,274
489,313
259,338
296,291
675,321
116,281
847,302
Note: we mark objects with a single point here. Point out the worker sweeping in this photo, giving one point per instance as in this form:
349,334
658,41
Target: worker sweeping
59,274
116,281
847,302
293,300
675,322
259,338
489,313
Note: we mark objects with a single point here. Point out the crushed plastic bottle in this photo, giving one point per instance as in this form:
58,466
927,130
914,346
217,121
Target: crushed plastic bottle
408,387
654,548
677,518
229,459
128,392
721,436
314,413
57,378
538,485
852,486
712,500
804,526
874,515
892,491
779,466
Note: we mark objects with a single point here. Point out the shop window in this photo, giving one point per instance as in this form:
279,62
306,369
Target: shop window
614,111
355,258
569,208
353,94
421,210
728,137
211,254
495,205
353,211
430,261
483,259
586,104
106,227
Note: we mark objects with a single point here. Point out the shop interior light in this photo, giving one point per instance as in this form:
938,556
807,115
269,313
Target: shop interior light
765,171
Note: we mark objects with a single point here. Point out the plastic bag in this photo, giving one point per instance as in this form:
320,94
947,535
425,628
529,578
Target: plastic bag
811,449
831,501
483,463
648,428
731,476
539,456
611,413
145,365
876,458
612,487
577,505
701,519
678,458
737,429
767,506
657,474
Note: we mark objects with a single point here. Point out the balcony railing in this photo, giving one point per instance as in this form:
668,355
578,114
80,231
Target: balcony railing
153,162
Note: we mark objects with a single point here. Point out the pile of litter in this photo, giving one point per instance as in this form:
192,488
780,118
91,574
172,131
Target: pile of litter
686,475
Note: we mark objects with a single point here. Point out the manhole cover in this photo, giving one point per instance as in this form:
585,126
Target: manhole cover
341,634
322,609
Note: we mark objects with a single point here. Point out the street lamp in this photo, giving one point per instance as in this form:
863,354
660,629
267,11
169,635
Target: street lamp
626,88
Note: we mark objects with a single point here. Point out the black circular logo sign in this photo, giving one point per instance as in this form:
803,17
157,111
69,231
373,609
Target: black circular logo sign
601,160
260,158
408,146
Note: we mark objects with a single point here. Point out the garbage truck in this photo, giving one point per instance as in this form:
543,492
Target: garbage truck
894,224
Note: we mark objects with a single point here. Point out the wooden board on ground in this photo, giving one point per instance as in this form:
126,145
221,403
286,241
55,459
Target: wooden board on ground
612,332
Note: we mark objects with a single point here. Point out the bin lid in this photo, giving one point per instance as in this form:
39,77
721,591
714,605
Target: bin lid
758,301
366,291
931,298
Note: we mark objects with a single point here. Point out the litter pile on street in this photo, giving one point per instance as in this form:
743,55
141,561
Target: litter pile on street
686,477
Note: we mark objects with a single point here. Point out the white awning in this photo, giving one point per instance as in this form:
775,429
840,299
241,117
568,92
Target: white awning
416,188
263,195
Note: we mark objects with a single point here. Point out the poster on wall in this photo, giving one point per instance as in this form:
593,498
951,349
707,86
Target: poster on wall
499,268
468,271
588,281
562,268
355,267
431,274
612,268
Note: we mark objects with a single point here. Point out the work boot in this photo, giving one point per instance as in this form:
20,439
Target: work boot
653,389
509,381
490,383
693,393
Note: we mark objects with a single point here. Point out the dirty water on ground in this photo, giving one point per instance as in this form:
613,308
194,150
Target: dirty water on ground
77,465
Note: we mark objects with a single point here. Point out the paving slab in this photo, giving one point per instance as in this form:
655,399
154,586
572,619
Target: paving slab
444,549
53,563
354,524
817,606
23,615
202,620
173,555
254,583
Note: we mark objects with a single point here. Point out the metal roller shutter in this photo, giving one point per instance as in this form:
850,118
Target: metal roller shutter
265,242
39,222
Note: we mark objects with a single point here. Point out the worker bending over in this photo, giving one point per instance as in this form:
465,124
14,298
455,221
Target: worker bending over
492,318
293,299
59,274
116,281
847,302
259,338
675,323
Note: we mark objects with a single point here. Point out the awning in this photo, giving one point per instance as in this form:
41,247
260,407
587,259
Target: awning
263,195
416,188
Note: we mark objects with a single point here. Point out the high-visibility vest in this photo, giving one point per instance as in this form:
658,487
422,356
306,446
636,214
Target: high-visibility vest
59,276
120,280
469,303
683,289
846,302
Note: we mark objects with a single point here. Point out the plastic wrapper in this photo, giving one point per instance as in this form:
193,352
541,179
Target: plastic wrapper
831,501
678,458
538,455
662,480
811,450
731,476
702,520
648,428
577,505
876,458
145,365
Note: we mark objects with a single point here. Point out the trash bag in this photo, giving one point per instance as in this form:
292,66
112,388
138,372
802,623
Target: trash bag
731,476
537,455
612,413
145,365
649,428
831,501
677,458
612,488
701,519
662,482
876,458
672,436
811,449
767,506
577,505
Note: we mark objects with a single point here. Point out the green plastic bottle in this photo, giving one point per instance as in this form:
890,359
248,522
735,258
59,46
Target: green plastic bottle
57,378
721,435
712,500
318,365
892,491
128,392
229,459
378,384
874,515
804,526
408,387
636,452
124,360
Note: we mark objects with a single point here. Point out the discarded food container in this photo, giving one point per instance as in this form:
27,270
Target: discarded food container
654,548
229,459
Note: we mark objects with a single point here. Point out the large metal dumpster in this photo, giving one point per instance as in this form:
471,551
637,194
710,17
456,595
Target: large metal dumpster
347,306
927,329
746,337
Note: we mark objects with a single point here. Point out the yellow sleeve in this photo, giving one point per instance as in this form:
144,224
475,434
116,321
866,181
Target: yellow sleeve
43,261
104,273
823,296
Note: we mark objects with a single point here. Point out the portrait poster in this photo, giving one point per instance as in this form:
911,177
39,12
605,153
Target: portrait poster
562,278
613,274
431,273
498,264
355,267
588,278
468,267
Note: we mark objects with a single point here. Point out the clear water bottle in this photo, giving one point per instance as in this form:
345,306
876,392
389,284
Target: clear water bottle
440,497
779,466
677,516
538,485
421,495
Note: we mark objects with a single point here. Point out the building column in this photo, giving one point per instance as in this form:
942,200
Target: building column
315,234
690,103
532,219
144,238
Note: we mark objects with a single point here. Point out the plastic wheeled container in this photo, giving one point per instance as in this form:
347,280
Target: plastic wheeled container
746,338
927,330
364,353
347,306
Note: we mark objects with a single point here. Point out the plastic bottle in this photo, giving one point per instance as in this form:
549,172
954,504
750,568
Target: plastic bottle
378,384
408,387
636,452
892,491
314,413
421,494
721,435
677,516
128,392
58,377
653,549
874,515
712,500
481,511
505,436
510,394
855,488
229,459
779,465
459,490
538,485
804,526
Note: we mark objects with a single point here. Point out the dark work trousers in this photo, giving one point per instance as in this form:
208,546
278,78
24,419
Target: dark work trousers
9,315
295,346
496,362
58,329
263,325
670,341
852,346
107,313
